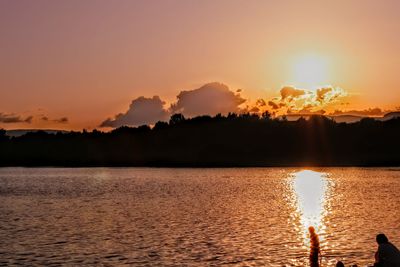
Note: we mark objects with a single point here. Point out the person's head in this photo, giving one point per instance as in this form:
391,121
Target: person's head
381,239
339,264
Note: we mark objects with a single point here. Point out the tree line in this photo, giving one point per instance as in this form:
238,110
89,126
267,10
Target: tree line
218,141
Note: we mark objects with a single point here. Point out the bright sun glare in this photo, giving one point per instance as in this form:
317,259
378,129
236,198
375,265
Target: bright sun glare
310,71
310,188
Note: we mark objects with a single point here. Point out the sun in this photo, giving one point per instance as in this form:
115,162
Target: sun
310,71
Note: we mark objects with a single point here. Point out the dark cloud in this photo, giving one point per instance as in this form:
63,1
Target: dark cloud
141,111
61,120
10,118
14,118
289,92
210,99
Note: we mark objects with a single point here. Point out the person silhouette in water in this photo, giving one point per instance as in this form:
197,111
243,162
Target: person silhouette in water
315,251
387,255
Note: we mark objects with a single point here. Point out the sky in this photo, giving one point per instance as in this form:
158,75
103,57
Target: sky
101,64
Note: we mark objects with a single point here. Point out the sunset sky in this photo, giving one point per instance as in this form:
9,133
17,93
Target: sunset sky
77,64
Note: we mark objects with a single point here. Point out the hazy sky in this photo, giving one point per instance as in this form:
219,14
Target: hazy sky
73,64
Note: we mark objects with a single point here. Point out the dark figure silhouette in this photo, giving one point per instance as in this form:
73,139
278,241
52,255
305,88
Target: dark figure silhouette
387,255
314,248
339,264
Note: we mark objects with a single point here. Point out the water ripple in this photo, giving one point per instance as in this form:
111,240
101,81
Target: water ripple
188,217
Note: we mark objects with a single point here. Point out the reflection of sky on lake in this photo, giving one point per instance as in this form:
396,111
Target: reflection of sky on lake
194,217
310,190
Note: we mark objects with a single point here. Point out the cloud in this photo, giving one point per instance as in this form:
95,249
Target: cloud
214,98
210,99
365,112
322,92
141,111
45,118
261,102
254,110
295,100
28,119
61,120
273,105
289,92
14,118
329,95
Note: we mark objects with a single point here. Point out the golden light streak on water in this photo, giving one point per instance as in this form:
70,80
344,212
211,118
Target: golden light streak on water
310,188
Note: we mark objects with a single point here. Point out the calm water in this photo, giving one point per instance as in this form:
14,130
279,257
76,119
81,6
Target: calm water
194,217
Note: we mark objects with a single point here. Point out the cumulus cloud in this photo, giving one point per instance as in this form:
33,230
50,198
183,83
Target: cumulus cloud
210,99
14,118
141,111
295,100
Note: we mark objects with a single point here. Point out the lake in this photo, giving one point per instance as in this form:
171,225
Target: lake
194,217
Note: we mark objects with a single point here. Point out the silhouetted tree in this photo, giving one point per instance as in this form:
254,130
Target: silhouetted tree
160,125
244,140
266,115
232,115
176,118
3,135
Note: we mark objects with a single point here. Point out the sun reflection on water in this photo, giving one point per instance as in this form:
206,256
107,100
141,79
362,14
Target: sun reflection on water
310,188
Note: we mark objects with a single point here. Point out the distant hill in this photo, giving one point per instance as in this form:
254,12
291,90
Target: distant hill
20,132
391,115
347,118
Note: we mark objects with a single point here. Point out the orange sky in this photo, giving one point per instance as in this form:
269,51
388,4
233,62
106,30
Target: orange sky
73,64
